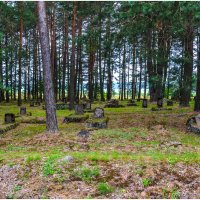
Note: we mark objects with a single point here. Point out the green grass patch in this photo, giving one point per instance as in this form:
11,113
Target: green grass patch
146,182
87,173
33,158
104,188
50,165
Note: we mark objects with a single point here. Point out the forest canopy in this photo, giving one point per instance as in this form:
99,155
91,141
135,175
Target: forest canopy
121,50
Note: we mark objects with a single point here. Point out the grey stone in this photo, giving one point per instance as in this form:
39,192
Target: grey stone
98,113
79,109
9,118
144,103
160,102
83,133
197,118
23,111
88,105
67,158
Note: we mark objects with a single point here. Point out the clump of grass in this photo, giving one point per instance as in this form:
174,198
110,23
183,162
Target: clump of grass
33,158
175,194
15,148
87,174
104,188
146,182
17,188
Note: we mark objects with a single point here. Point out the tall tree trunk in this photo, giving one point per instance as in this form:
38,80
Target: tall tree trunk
100,60
79,56
1,73
197,98
51,120
150,69
66,54
133,75
185,91
7,70
72,69
20,53
140,77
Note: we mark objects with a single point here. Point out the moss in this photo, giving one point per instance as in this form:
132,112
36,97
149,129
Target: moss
97,120
76,118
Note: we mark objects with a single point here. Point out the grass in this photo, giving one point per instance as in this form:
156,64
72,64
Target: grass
146,182
33,158
119,143
50,166
87,173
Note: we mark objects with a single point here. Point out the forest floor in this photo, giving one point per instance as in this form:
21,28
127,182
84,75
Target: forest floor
142,154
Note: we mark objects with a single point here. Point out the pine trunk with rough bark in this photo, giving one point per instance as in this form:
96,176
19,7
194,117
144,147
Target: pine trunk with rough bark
51,120
72,68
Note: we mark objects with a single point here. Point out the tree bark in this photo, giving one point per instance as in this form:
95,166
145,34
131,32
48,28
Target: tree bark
197,98
20,53
72,68
185,91
51,120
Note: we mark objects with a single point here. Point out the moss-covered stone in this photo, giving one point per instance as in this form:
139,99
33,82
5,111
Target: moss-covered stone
9,127
97,122
76,118
32,120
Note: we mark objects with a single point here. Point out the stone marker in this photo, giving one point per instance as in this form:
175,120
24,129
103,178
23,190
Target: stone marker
67,158
83,133
88,106
170,103
144,103
131,101
23,111
9,118
197,118
64,100
98,113
79,109
31,103
160,102
114,102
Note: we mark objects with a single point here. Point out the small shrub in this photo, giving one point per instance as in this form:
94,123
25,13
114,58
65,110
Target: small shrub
104,188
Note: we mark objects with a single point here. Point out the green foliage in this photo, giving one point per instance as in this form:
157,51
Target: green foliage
104,188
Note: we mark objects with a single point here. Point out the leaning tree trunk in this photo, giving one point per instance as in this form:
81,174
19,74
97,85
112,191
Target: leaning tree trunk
51,120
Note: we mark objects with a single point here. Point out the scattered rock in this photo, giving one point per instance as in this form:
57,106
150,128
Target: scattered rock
67,158
171,143
83,133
